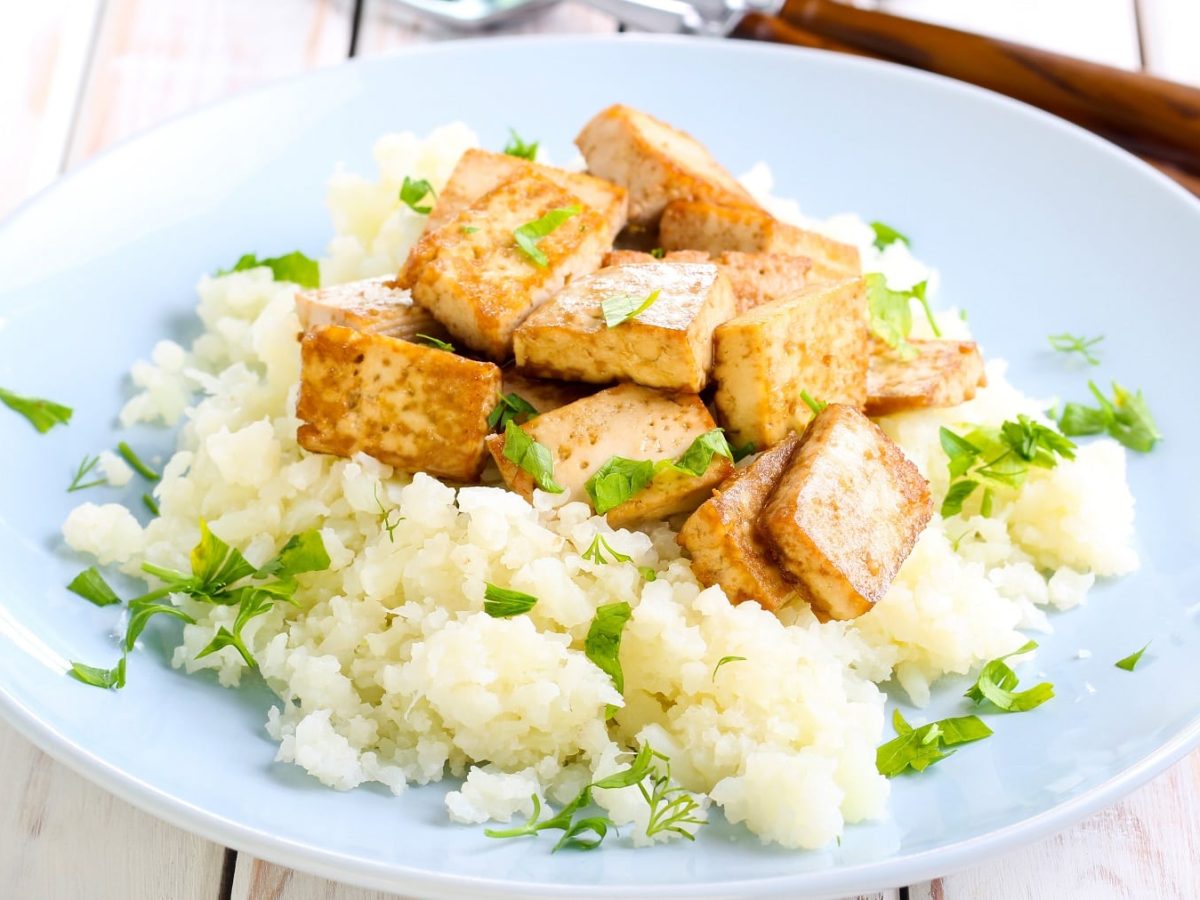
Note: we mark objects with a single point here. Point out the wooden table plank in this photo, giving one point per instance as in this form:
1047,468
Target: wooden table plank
63,837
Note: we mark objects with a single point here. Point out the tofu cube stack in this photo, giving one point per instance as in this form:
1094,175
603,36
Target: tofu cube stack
516,268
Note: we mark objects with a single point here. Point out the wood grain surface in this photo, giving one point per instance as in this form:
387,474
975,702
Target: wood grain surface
78,75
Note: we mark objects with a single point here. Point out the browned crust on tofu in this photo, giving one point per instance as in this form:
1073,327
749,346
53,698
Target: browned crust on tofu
413,407
480,171
627,420
471,275
815,340
376,305
669,345
723,539
943,373
640,257
759,278
543,393
655,162
691,225
846,512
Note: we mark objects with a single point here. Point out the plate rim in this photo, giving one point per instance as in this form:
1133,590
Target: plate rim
832,882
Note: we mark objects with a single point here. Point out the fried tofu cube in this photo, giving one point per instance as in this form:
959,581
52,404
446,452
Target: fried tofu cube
543,394
630,421
375,305
759,278
846,512
480,284
669,345
815,340
655,163
723,538
480,171
414,407
943,373
692,225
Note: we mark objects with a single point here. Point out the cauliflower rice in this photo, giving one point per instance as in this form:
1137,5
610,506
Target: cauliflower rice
391,672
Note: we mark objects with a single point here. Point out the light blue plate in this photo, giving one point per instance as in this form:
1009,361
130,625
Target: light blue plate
1037,228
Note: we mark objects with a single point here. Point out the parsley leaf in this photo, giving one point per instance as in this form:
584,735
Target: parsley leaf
413,192
135,462
528,235
143,609
42,414
919,748
1125,417
531,456
150,503
885,235
595,552
1129,663
891,316
671,808
385,517
85,466
658,252
510,407
1070,343
436,342
519,148
622,308
744,450
294,267
603,642
502,603
111,679
616,481
91,586
722,661
996,683
918,292
815,405
697,457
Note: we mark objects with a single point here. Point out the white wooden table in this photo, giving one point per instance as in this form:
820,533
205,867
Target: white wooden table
77,75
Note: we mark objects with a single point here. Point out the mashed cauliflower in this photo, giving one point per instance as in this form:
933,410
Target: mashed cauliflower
389,670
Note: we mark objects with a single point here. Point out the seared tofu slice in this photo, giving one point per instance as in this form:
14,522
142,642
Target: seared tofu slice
814,340
413,407
846,512
723,539
655,163
480,171
691,225
638,257
669,345
543,394
476,281
376,305
943,373
630,421
759,278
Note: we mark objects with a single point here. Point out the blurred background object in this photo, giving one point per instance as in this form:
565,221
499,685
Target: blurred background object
77,76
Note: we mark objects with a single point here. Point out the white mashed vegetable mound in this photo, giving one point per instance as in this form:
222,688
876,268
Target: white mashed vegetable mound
390,671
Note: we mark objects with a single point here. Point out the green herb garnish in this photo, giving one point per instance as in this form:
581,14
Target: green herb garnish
996,683
110,679
91,586
595,552
531,456
658,252
528,235
436,342
42,414
919,748
722,661
891,315
816,406
621,308
603,642
1070,343
742,451
385,517
519,148
150,503
413,192
468,229
510,408
918,292
136,463
697,457
1129,663
1125,417
294,267
502,603
885,235
85,467
670,807
616,481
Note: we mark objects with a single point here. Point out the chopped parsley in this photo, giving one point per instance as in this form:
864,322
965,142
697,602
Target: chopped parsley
997,682
919,748
502,603
85,468
1070,343
616,481
468,229
385,517
110,679
511,407
534,458
136,463
596,549
519,148
603,643
918,292
41,414
436,342
743,450
91,586
658,252
528,235
294,267
891,315
724,660
816,406
886,235
621,308
697,457
1125,417
1129,663
150,503
413,192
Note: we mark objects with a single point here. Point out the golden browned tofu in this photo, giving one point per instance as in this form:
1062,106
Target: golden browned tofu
375,305
629,421
689,225
655,163
668,345
637,257
480,171
413,407
723,538
759,278
943,373
814,340
846,512
480,284
543,394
